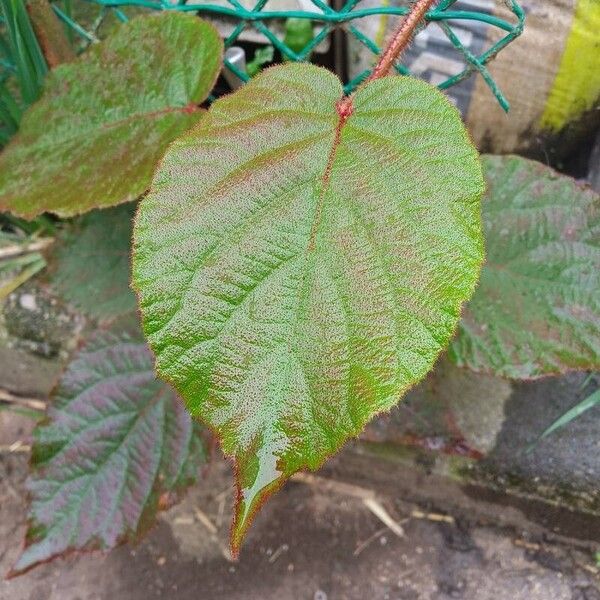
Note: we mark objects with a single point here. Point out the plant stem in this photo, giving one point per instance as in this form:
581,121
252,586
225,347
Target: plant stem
18,249
32,403
400,38
397,43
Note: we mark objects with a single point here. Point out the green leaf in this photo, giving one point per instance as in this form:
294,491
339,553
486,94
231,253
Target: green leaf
298,271
91,263
537,308
104,121
116,446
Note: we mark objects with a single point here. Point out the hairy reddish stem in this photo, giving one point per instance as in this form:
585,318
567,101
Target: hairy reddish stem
392,51
345,107
400,39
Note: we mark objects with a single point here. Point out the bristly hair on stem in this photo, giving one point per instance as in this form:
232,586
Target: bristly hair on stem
400,38
398,42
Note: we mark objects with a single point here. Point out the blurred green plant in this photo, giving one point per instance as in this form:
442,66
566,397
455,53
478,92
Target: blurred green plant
298,34
262,56
22,66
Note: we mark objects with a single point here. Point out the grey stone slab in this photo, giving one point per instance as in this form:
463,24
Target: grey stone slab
458,413
568,457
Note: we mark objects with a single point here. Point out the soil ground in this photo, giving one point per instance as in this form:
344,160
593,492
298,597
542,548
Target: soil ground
309,542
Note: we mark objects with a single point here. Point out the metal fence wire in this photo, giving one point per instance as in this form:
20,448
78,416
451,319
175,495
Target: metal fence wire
450,16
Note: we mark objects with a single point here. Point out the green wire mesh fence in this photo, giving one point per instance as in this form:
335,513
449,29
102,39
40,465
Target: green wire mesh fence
449,15
457,22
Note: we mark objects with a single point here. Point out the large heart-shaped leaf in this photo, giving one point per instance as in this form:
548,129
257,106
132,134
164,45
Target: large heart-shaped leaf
537,308
299,267
104,121
90,265
116,446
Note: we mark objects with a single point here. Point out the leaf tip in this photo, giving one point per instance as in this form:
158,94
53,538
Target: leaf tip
27,558
255,481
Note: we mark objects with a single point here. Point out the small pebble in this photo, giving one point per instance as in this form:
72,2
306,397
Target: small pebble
27,301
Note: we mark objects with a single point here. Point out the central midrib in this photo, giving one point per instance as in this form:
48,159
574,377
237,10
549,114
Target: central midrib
344,109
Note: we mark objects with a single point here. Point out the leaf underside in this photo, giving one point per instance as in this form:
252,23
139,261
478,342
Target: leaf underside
104,121
116,445
297,274
536,310
90,266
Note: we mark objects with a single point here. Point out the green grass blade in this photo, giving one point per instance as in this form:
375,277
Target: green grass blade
5,47
586,404
10,112
590,402
5,136
25,52
26,274
10,125
31,43
30,47
19,262
18,56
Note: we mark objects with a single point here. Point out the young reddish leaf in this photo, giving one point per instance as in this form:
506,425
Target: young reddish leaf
300,267
90,263
537,308
116,446
104,121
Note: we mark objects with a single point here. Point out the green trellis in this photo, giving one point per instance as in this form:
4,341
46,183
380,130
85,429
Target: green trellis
329,18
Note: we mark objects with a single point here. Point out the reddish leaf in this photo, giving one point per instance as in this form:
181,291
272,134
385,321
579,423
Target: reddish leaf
116,446
536,310
103,122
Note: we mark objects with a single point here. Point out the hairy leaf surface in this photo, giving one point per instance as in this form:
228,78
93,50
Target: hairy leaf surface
537,308
298,270
116,445
104,121
90,266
